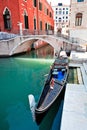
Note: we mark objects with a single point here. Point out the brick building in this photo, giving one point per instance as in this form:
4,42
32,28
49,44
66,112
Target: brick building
21,16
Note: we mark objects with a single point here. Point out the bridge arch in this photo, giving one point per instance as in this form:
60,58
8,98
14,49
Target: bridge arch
29,41
55,42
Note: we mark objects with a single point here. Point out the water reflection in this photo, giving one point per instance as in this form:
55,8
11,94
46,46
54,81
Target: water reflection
43,52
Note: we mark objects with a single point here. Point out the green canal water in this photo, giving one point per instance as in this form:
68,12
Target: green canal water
19,77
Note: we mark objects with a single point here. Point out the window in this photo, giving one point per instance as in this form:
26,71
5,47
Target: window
59,8
7,19
26,20
80,0
60,4
56,12
63,12
50,15
66,12
60,12
59,19
40,25
34,23
47,12
35,3
45,26
40,6
78,20
49,27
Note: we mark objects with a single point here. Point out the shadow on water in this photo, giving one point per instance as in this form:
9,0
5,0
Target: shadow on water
19,118
52,120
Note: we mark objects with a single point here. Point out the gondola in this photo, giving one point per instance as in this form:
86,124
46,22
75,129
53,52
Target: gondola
53,88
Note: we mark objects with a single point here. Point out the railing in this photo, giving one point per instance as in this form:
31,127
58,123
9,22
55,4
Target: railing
72,39
37,32
6,36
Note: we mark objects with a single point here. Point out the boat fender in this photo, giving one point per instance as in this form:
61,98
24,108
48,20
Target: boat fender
32,104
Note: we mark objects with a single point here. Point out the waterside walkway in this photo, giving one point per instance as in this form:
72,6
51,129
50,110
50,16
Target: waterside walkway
74,115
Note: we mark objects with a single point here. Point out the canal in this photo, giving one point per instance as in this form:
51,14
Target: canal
19,77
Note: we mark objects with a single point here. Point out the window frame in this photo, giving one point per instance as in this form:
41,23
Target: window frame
78,19
35,24
40,6
7,19
35,3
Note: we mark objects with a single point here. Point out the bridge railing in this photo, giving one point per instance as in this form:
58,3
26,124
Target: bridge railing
6,36
14,33
38,32
72,39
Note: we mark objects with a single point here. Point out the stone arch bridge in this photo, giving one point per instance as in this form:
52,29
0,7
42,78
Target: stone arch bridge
21,44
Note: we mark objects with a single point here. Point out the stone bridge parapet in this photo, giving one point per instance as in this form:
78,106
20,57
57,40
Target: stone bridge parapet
20,44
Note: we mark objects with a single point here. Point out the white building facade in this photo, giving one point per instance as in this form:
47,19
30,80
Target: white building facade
78,19
61,17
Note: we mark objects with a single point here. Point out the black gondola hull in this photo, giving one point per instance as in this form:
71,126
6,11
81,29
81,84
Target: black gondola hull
39,115
54,88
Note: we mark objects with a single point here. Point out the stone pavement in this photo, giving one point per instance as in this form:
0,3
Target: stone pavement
74,115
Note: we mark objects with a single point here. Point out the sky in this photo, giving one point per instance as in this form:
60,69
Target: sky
55,2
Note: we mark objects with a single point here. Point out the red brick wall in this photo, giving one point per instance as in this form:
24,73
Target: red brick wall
17,8
13,8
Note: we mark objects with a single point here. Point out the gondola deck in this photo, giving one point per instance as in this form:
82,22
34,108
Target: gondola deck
52,94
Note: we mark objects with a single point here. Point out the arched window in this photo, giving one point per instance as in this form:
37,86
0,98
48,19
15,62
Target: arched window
78,20
26,20
7,19
34,23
